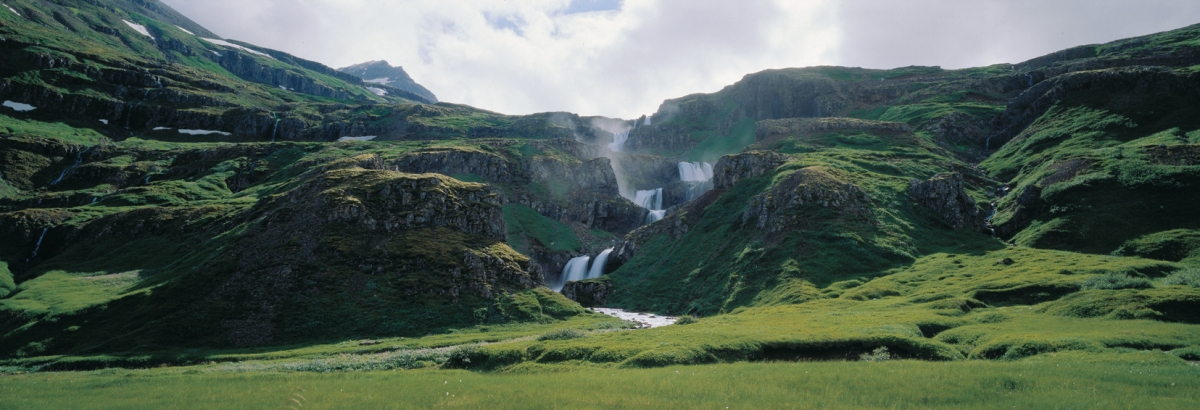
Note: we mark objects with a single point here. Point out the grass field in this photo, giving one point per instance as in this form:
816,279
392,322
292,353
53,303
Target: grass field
1065,381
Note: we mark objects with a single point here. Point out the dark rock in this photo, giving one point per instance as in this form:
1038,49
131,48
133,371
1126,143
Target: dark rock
944,195
592,293
778,209
733,168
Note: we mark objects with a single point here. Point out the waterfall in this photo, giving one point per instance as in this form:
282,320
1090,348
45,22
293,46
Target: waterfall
618,144
655,216
159,82
651,199
39,244
597,269
647,122
699,175
275,130
695,171
78,161
576,270
1030,75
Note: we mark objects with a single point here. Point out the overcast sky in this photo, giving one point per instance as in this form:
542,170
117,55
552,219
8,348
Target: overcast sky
622,58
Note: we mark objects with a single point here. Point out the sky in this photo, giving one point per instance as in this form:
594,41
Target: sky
622,58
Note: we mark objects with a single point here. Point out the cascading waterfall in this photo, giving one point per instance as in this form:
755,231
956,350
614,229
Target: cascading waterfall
78,161
38,247
576,270
618,144
651,200
598,265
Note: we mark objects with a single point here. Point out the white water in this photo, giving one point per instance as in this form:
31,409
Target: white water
647,320
19,107
597,269
618,144
647,121
576,270
655,216
203,132
39,244
78,160
695,171
275,130
651,199
367,138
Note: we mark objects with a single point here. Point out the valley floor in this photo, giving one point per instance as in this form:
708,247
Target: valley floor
1053,381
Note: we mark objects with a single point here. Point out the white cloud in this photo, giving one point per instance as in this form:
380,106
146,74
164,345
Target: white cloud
610,62
529,56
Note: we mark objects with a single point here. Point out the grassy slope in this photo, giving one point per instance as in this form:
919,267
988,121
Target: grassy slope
720,265
1091,161
1119,381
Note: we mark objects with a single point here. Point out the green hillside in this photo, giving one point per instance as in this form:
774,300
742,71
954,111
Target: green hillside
177,199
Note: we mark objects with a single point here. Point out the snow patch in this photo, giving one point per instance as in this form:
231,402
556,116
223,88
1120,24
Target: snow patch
203,132
384,81
13,10
185,30
104,121
367,138
138,28
645,319
19,107
224,43
161,128
378,91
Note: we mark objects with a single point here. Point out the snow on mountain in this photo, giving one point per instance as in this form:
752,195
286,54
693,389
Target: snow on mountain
138,28
224,43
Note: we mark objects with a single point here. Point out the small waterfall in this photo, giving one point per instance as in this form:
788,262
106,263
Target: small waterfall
695,171
38,247
598,266
275,130
78,161
1030,75
699,175
618,144
159,82
651,199
655,216
647,121
576,270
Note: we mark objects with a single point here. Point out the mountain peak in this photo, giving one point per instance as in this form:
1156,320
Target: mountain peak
380,72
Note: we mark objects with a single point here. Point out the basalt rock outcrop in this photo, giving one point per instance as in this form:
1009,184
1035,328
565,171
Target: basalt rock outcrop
768,129
945,195
782,207
733,168
591,293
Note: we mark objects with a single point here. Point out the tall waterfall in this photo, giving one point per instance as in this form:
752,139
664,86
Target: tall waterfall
618,144
648,122
697,174
38,247
598,265
576,269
